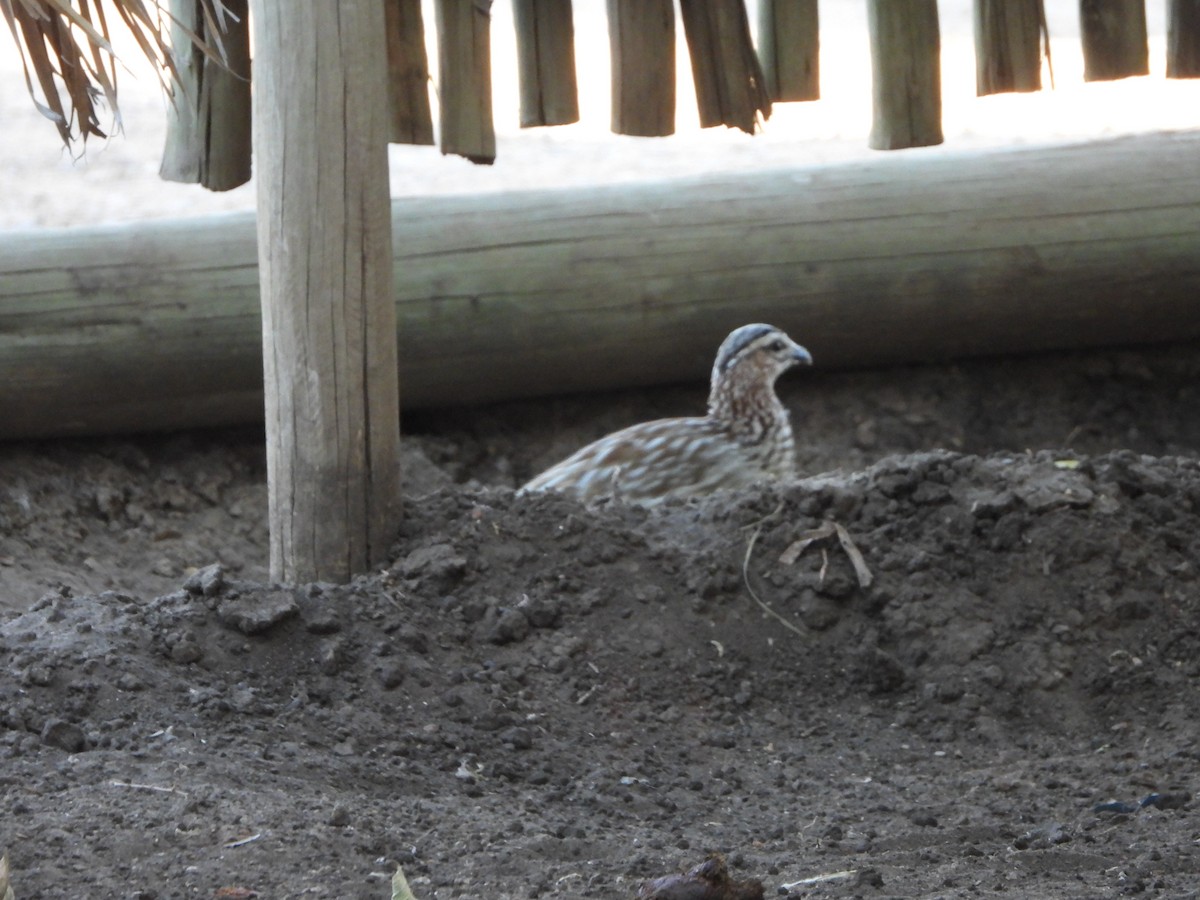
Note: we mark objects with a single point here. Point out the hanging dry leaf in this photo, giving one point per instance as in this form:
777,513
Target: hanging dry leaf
66,46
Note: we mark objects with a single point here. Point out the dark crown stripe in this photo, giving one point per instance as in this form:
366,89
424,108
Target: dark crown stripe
736,343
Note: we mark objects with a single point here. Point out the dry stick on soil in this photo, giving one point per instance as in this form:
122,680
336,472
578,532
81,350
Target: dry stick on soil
746,578
148,787
819,879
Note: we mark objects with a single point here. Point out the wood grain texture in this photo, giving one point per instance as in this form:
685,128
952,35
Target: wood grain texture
1114,39
410,120
465,79
328,315
546,62
789,46
894,260
1008,45
1183,39
906,77
641,37
730,87
208,124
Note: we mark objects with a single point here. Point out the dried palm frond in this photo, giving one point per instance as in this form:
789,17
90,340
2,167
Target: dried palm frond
66,46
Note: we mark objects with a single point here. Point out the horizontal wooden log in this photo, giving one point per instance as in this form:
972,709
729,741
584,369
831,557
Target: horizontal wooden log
897,259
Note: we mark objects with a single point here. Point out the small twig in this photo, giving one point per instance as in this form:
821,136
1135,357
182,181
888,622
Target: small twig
746,578
242,841
586,695
819,879
148,787
765,519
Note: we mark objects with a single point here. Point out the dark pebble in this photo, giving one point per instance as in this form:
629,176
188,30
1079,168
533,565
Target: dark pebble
509,627
64,736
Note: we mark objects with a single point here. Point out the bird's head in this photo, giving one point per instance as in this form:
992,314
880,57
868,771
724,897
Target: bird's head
763,348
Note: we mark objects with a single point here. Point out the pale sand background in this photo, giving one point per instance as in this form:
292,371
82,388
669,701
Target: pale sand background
42,186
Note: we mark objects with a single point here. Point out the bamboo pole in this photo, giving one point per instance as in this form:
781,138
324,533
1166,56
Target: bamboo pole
1183,39
328,314
905,73
208,123
896,260
410,120
1008,45
1114,39
465,71
641,36
789,47
730,87
546,62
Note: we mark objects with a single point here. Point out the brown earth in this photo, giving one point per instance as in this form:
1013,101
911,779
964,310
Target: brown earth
538,700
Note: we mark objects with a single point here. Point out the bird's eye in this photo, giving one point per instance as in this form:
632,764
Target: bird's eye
775,346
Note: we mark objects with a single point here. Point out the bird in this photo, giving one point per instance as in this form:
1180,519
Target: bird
745,438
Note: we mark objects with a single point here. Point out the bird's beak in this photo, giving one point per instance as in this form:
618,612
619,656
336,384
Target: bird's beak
802,356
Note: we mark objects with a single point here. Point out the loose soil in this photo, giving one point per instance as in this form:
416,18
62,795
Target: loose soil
534,699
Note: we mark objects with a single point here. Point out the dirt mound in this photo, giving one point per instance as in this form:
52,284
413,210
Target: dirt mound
539,700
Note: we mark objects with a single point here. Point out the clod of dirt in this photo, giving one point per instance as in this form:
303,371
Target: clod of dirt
709,880
64,736
207,581
255,615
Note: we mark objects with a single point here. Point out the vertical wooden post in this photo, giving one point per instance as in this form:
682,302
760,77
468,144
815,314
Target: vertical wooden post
1114,39
789,47
208,124
905,73
325,267
1183,39
1008,45
410,120
730,87
465,71
546,62
641,36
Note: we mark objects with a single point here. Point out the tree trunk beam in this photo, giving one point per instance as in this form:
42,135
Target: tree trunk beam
895,260
1008,46
730,87
546,62
789,46
1114,39
1183,39
465,79
208,125
906,74
328,315
410,120
641,35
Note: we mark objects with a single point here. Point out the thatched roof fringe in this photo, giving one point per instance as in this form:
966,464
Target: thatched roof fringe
66,44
